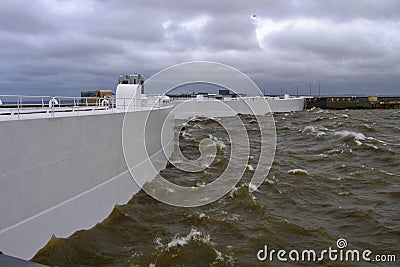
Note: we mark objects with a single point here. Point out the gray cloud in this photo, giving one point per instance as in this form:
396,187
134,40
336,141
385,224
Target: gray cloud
24,18
229,33
65,46
342,10
331,43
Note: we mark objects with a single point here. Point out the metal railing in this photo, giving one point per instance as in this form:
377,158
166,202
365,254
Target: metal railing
16,106
222,98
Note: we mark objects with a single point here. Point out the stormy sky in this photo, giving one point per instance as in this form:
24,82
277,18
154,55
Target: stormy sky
51,47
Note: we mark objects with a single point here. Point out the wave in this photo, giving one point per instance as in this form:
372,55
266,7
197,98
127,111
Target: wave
382,142
249,167
310,129
368,127
372,146
348,135
220,144
198,237
313,130
319,119
194,234
242,193
252,187
195,126
298,172
185,134
389,173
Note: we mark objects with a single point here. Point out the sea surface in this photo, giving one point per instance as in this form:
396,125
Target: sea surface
336,174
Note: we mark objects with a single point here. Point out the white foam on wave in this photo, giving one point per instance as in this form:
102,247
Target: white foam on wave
201,184
194,234
170,190
310,129
197,126
218,142
382,142
203,215
377,140
223,258
252,187
158,242
368,127
233,192
334,151
298,171
389,173
270,181
313,130
249,167
373,146
358,137
185,134
219,255
173,162
204,199
345,151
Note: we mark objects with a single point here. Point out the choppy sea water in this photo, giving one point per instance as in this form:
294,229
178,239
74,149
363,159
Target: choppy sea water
336,174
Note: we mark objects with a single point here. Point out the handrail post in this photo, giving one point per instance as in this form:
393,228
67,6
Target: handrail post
18,100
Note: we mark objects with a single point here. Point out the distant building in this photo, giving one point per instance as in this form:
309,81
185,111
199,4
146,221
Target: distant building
91,97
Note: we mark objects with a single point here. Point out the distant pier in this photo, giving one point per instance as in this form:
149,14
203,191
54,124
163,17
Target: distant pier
353,102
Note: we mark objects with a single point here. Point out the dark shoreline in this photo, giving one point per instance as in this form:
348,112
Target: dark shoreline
353,102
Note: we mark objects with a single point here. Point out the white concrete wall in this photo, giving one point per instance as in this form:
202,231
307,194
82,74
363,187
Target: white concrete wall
61,175
286,105
127,94
256,106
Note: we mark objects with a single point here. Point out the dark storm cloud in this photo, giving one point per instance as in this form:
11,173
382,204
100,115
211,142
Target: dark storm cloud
64,46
